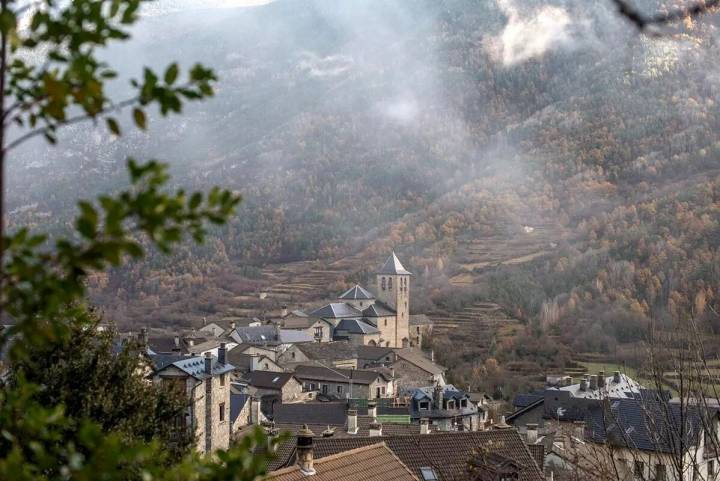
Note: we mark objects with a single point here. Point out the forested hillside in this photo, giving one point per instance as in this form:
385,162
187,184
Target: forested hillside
542,155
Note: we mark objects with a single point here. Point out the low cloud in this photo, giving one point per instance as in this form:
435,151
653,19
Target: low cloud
330,66
529,34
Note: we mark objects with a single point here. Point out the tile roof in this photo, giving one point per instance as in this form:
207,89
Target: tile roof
447,453
322,373
378,309
393,266
374,462
193,366
269,379
335,310
417,358
356,326
356,293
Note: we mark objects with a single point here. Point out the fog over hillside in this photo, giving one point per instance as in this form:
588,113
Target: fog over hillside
356,127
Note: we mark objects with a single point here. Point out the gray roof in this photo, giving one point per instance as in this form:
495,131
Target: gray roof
356,293
356,326
393,266
195,367
336,310
237,403
269,335
322,373
378,310
269,379
417,358
291,336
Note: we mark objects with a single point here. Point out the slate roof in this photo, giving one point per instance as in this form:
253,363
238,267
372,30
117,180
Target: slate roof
195,366
416,357
374,462
271,335
237,403
647,425
163,345
447,453
269,379
356,326
327,413
524,400
321,373
378,309
393,266
335,351
356,293
336,310
291,336
243,362
449,392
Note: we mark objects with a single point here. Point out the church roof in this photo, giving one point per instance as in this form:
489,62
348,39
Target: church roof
336,310
393,266
356,326
356,293
378,310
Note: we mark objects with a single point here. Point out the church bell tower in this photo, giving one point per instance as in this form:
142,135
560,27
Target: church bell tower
393,289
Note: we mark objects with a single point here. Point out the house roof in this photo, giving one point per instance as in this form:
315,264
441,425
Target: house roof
255,334
243,362
300,322
447,453
524,400
356,326
374,462
195,366
416,357
237,403
327,413
322,373
269,379
393,266
336,310
356,293
291,336
163,344
378,309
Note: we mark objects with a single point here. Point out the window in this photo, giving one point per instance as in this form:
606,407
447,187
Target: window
292,355
324,388
382,283
222,379
639,470
360,303
339,389
389,283
428,474
451,405
318,332
711,468
385,322
463,403
424,405
222,411
660,472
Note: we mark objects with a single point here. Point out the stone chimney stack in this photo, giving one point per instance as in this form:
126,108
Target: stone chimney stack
221,353
584,384
208,363
375,429
191,342
232,325
593,382
601,379
616,377
143,338
352,421
372,409
283,311
305,455
424,426
579,429
532,433
177,342
438,396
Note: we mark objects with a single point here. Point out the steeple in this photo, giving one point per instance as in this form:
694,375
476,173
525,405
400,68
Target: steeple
393,290
393,267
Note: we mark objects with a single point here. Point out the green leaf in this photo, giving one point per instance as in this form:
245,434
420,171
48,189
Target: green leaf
139,117
171,74
113,125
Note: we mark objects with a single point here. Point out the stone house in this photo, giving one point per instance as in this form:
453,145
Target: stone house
346,383
239,412
413,369
205,380
320,330
273,388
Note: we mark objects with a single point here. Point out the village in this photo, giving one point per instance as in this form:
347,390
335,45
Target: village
351,383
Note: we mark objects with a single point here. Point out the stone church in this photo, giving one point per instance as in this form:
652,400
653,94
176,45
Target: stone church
364,318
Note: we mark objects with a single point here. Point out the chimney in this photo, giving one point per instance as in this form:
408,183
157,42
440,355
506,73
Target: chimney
177,341
352,422
438,396
579,429
532,433
255,411
616,377
143,338
328,433
208,363
432,355
424,426
372,409
272,433
584,384
221,353
305,455
593,382
204,321
191,342
283,311
232,325
375,429
601,379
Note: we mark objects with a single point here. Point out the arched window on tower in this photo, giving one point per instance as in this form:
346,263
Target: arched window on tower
390,283
382,283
